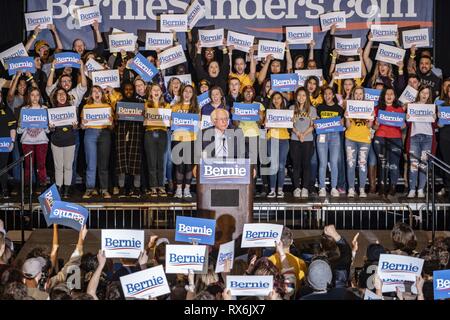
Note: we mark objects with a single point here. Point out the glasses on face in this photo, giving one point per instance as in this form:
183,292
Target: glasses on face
222,119
66,81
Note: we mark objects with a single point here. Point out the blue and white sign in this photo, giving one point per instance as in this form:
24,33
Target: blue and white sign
150,282
226,254
172,57
203,99
158,40
185,121
67,59
186,79
360,109
444,115
69,214
419,112
157,117
62,116
13,52
106,78
416,37
122,41
5,144
441,284
194,13
33,118
130,111
299,35
349,70
347,46
88,14
240,41
38,18
384,32
394,270
279,118
46,200
201,231
285,82
328,125
97,117
392,119
389,54
274,48
143,67
250,285
369,295
303,75
122,243
330,18
206,122
225,171
24,64
182,258
90,66
245,111
439,102
210,38
173,22
372,95
261,235
408,95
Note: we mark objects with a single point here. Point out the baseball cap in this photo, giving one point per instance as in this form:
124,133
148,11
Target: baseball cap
40,44
319,275
32,267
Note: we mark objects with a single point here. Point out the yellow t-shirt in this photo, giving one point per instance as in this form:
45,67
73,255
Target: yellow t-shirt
153,128
358,131
278,133
243,78
96,106
294,262
316,101
251,128
181,135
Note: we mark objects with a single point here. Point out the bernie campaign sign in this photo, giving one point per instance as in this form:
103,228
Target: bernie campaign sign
226,253
392,119
67,59
444,115
225,171
182,258
5,144
69,214
441,284
250,285
185,121
287,82
46,200
130,111
33,118
245,111
122,243
200,231
143,67
150,282
328,125
261,235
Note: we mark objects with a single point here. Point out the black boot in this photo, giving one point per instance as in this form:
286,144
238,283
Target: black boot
381,190
392,190
66,191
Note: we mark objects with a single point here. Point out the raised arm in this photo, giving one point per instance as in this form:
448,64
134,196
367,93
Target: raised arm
363,65
32,38
263,72
412,65
312,45
55,33
13,87
334,57
366,56
289,63
55,247
252,73
95,279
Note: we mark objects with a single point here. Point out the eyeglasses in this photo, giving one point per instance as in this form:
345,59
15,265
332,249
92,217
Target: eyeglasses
222,119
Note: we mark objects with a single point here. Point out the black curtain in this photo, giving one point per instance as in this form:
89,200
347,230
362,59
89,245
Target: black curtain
442,40
12,23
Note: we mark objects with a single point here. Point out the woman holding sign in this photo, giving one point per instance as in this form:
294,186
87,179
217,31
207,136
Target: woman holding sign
97,121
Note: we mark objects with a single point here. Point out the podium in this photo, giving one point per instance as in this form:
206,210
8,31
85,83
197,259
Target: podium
225,193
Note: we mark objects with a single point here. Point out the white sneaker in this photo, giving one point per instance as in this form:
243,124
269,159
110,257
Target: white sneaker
411,194
179,193
187,193
420,193
334,193
272,194
322,192
280,194
297,193
351,193
442,192
305,193
362,193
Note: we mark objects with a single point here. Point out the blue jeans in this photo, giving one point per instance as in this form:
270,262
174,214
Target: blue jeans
283,149
330,143
341,164
168,159
389,151
314,165
357,153
420,143
97,146
372,159
75,157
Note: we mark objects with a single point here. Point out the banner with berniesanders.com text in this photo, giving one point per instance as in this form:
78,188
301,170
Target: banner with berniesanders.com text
245,111
441,284
392,119
224,171
329,125
69,214
250,285
201,231
263,19
257,235
5,144
395,270
150,282
444,115
46,201
182,258
122,243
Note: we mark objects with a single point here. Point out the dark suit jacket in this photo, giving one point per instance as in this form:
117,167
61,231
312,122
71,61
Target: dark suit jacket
237,148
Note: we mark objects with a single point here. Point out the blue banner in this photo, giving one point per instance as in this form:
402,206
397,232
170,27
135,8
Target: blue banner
67,59
199,230
33,118
441,284
263,19
229,171
439,102
129,111
286,82
245,111
143,67
69,214
393,119
185,121
372,95
24,64
328,125
5,144
443,115
46,200
203,99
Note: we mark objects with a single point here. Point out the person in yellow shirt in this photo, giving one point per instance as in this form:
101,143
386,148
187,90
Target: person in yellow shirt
278,140
246,79
155,142
313,87
183,143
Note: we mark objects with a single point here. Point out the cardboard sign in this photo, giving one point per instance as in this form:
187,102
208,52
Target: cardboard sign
129,111
33,118
257,235
62,116
171,57
372,95
201,231
150,282
38,18
206,122
87,15
185,121
17,51
421,112
303,75
24,64
173,22
392,119
226,253
245,111
106,78
408,95
182,258
360,109
5,144
240,41
143,67
441,284
349,70
279,118
224,171
203,99
384,32
184,78
417,37
299,35
194,13
389,54
97,117
394,270
250,285
328,125
369,295
157,117
274,48
444,115
67,59
347,46
46,201
330,18
287,82
122,41
123,243
92,65
210,38
69,214
158,40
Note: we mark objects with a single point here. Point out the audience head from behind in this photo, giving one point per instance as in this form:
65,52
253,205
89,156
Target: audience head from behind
319,275
404,239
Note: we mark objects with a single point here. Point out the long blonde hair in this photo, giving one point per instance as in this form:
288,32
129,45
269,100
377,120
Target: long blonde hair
376,73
